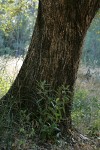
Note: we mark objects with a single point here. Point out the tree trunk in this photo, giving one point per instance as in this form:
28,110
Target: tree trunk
55,49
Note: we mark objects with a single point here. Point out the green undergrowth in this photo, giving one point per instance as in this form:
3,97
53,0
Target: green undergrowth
86,113
41,124
20,130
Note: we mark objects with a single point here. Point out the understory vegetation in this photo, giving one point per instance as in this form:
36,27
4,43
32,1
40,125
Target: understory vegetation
21,133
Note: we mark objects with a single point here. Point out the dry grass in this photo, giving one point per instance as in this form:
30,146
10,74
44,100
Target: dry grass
92,83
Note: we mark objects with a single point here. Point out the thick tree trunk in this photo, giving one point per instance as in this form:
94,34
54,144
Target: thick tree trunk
55,49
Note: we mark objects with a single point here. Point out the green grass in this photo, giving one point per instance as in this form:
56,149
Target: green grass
85,115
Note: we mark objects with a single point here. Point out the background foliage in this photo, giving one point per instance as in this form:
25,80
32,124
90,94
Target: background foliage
17,18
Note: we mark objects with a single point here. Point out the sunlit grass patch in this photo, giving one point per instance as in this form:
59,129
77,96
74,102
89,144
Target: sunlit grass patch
4,85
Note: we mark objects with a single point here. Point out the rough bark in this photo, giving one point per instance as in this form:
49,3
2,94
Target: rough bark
55,48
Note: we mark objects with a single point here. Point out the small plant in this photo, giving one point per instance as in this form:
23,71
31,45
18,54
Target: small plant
50,110
25,126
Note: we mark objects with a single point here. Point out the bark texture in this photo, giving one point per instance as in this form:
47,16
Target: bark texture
55,48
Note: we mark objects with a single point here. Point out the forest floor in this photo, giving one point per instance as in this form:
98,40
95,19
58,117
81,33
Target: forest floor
86,118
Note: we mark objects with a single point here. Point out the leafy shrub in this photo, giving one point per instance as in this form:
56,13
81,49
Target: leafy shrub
49,110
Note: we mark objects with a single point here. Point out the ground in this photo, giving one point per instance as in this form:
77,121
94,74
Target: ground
85,113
